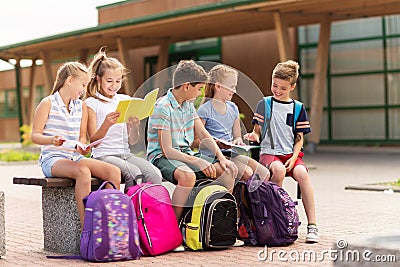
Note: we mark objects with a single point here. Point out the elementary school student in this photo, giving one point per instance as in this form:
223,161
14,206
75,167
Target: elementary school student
59,122
171,131
108,74
221,119
282,137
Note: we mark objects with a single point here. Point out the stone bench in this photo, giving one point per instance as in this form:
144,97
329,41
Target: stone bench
2,226
61,225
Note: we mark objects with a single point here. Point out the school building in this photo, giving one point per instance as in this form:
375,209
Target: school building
348,51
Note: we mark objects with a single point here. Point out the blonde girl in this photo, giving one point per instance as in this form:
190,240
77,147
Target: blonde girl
221,119
59,122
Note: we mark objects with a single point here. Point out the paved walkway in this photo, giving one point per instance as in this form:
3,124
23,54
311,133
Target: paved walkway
342,214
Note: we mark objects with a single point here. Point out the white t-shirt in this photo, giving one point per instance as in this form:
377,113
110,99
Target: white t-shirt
116,142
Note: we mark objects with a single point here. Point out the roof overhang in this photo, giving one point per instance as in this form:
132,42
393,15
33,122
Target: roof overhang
212,20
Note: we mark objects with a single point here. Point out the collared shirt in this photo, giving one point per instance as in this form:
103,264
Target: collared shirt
168,115
116,142
63,123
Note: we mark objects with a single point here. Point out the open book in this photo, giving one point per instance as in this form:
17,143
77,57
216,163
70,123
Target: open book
142,108
85,146
245,147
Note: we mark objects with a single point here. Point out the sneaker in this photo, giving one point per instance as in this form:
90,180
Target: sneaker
312,234
179,249
238,243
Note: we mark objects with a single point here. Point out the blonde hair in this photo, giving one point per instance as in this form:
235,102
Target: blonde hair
74,69
218,73
99,65
288,71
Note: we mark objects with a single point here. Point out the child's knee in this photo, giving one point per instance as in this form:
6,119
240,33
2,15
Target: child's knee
83,172
300,174
185,179
247,173
278,171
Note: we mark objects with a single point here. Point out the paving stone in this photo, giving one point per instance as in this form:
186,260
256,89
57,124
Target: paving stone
349,215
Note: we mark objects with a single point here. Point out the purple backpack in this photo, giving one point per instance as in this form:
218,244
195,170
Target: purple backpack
110,229
267,214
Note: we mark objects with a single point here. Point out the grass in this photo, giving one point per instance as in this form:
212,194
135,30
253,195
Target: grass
392,184
18,155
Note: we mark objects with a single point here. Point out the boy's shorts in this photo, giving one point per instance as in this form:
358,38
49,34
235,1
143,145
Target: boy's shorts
267,159
168,167
48,163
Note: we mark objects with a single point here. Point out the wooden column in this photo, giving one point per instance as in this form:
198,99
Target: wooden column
163,75
48,75
124,57
19,96
32,92
282,36
284,47
163,55
319,83
83,55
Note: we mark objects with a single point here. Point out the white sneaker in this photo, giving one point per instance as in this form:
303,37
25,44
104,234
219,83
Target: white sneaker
238,243
312,234
179,249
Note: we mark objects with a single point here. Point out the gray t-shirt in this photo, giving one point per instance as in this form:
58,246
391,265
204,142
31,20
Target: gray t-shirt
280,138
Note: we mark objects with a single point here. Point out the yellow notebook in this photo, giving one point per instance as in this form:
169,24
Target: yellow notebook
142,108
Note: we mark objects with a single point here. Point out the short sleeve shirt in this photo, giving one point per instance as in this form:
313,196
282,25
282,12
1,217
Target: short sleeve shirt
168,115
217,124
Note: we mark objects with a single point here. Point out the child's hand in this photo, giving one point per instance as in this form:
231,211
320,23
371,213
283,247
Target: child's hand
82,151
252,137
111,118
207,168
289,164
58,140
238,141
133,123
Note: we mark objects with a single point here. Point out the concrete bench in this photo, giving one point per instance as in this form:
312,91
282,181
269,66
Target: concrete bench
61,225
2,226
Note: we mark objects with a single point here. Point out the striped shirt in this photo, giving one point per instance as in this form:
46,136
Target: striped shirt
63,123
168,115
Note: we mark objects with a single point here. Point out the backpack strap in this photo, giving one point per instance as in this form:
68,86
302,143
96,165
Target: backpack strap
266,129
297,107
296,112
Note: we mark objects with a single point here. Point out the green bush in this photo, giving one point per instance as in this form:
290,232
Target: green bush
18,156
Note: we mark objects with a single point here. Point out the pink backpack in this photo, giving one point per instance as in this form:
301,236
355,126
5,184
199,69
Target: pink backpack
157,224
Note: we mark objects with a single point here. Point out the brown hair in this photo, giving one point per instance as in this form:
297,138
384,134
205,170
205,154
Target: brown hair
288,71
74,69
217,74
188,71
100,63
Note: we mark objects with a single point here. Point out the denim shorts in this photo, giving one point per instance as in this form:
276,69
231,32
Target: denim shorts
48,163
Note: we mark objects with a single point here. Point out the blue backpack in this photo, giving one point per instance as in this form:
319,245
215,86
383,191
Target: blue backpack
268,114
267,214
